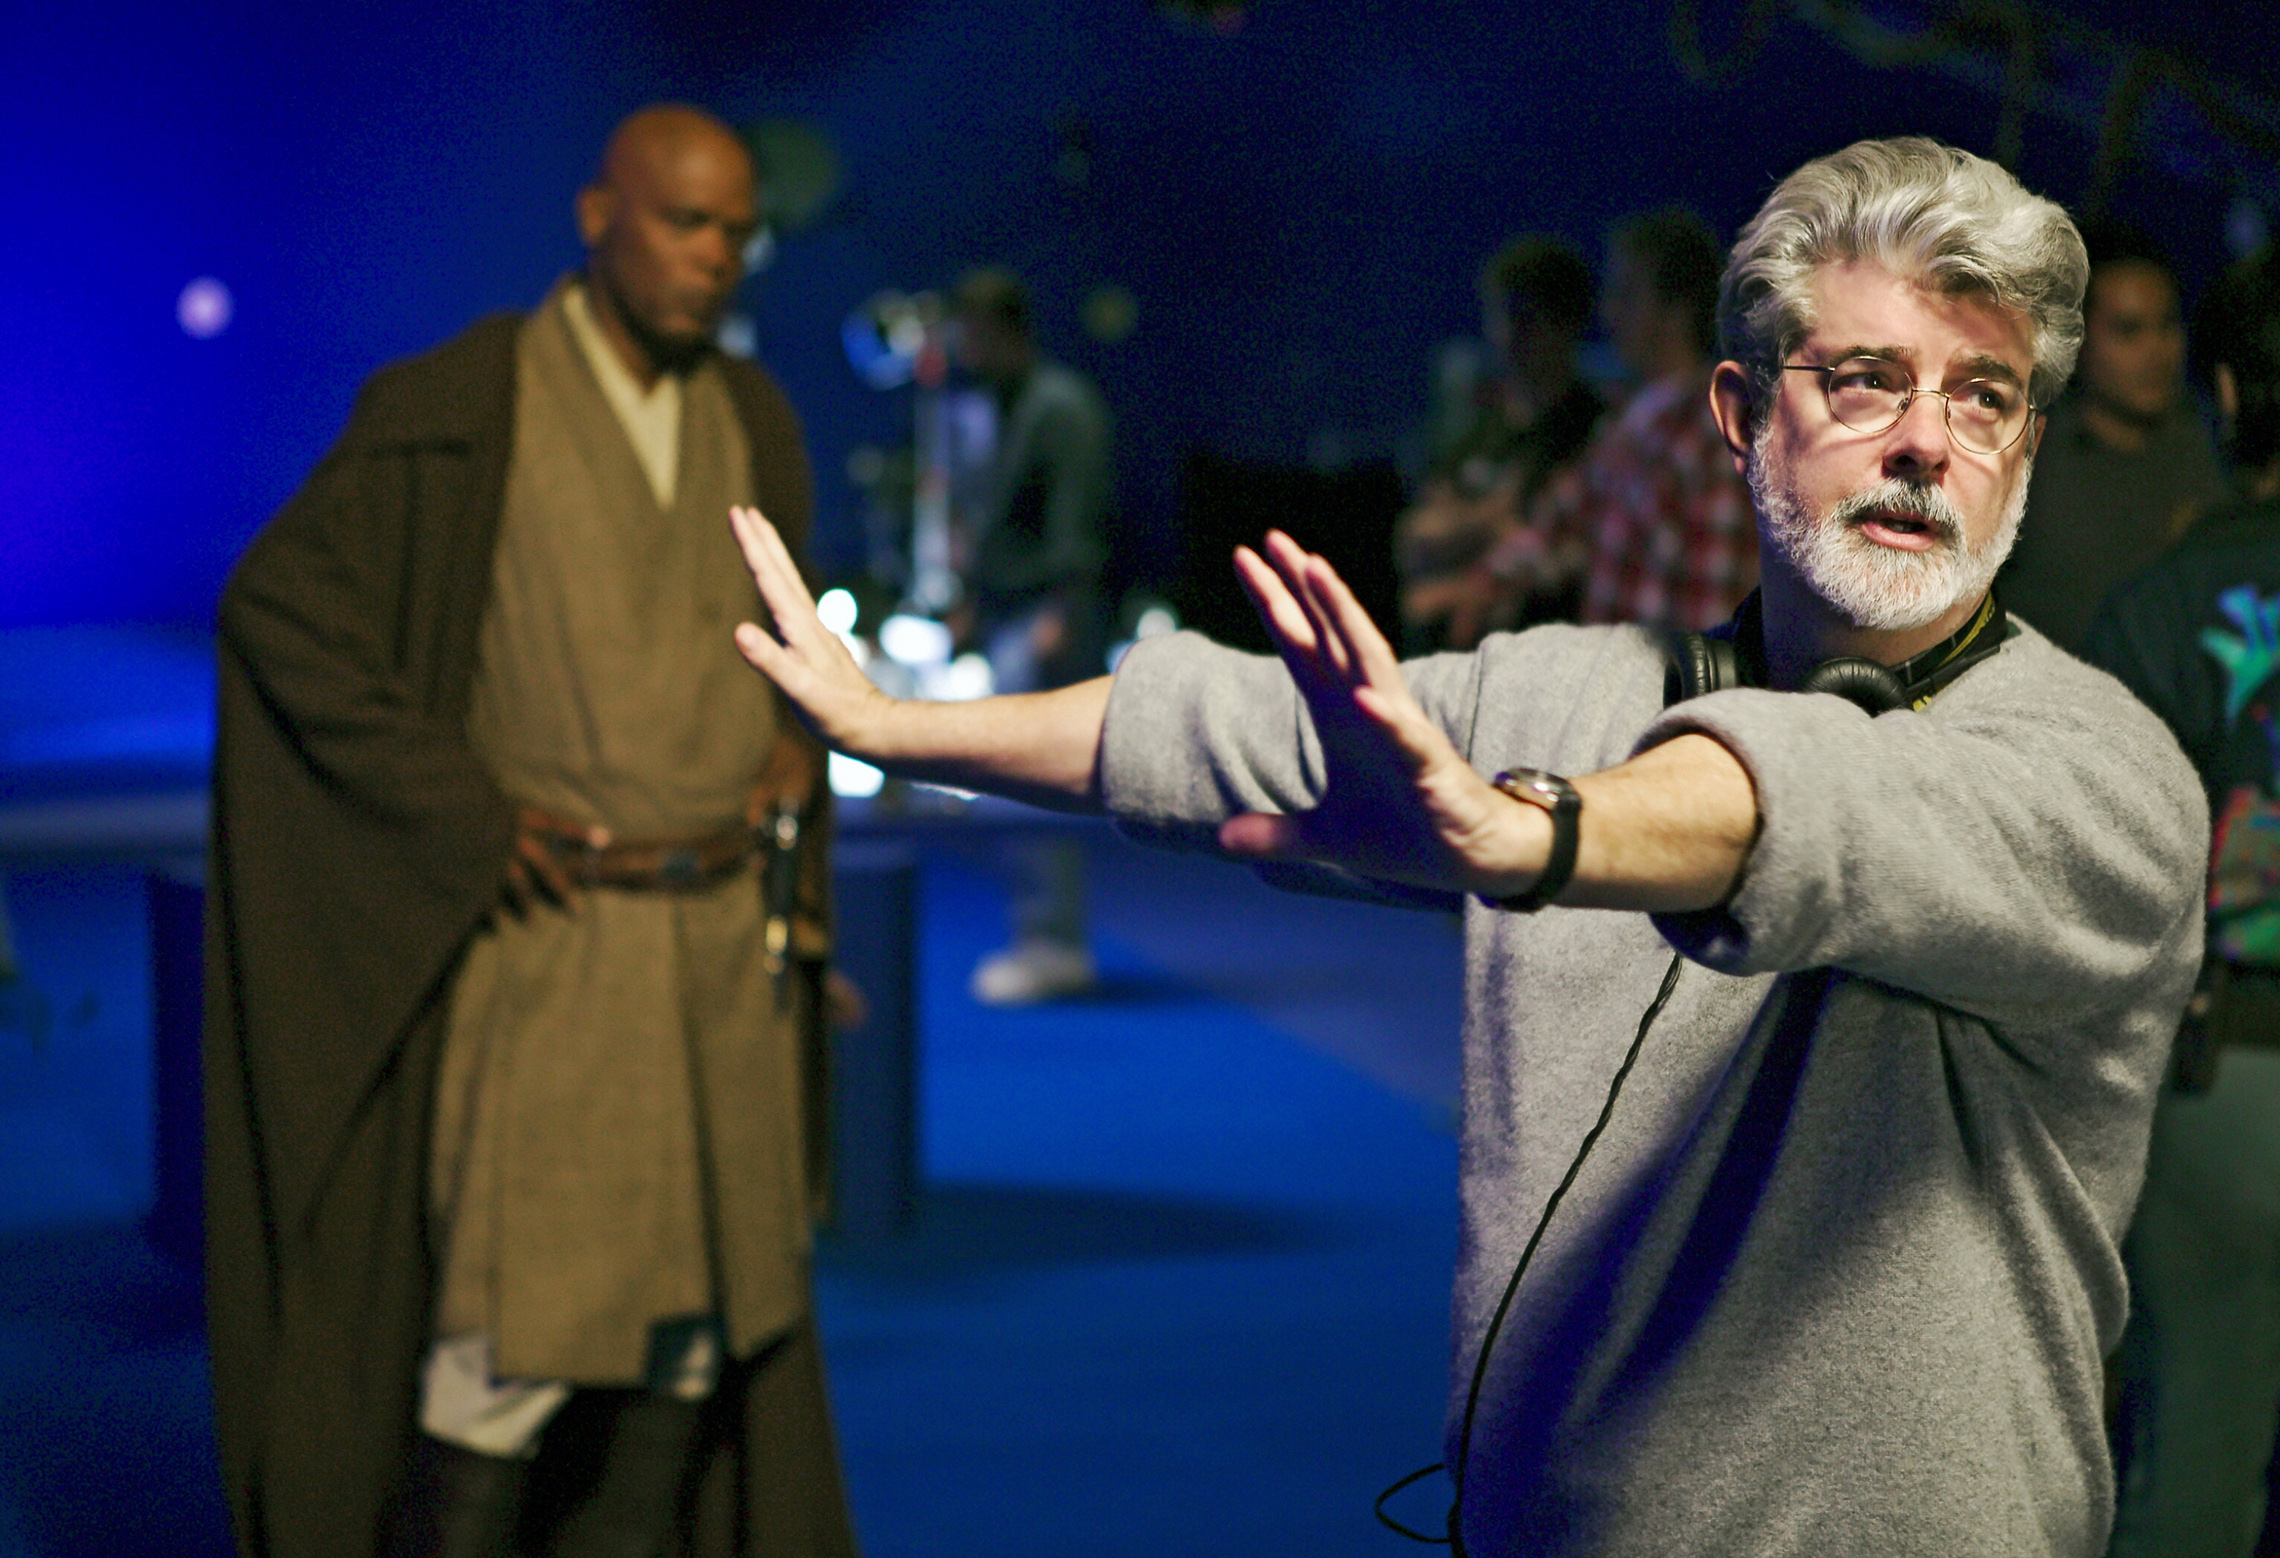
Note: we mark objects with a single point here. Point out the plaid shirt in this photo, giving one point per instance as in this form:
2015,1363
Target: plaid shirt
1654,519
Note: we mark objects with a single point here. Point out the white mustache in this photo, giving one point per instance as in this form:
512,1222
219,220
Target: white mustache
1894,495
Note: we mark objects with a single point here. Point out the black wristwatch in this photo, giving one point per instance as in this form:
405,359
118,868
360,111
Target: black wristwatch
1558,799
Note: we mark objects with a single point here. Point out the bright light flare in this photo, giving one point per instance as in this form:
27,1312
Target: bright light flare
961,681
837,611
204,309
852,777
914,641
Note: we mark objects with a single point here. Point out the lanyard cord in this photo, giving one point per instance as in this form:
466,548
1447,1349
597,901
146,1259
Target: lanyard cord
1455,1539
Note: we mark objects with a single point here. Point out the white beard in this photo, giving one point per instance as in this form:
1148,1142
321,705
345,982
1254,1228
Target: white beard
1877,587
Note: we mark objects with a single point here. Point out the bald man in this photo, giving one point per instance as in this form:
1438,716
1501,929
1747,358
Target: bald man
517,941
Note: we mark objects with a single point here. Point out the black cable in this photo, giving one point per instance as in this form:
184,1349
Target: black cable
1455,1539
1392,1524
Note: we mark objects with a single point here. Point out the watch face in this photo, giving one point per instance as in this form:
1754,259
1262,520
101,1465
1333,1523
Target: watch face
1535,788
1532,785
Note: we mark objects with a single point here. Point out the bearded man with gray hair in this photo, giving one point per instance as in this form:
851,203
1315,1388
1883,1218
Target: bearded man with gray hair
1813,1027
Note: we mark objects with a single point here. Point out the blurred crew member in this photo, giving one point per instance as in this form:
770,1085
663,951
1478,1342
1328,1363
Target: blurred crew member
2126,463
1652,525
1532,420
1038,540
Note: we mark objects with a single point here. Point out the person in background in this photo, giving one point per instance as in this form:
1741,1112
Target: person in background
1037,540
517,941
2126,463
2194,636
1653,525
1532,420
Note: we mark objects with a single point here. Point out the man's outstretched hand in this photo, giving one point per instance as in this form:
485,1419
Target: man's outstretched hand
1040,747
1401,804
802,656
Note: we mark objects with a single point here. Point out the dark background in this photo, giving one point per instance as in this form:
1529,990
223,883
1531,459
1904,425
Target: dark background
1297,196
1146,1229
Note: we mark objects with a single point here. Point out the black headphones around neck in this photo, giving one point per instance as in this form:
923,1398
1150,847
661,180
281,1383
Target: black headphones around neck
1733,655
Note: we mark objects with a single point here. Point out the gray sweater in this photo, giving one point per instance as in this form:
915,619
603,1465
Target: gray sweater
1840,1274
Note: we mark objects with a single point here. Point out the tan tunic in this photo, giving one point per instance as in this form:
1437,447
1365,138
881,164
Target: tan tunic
618,1133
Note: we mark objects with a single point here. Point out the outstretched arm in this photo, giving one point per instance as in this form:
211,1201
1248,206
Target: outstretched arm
1667,831
1042,748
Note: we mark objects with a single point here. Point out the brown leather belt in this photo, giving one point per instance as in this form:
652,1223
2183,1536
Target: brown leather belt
663,865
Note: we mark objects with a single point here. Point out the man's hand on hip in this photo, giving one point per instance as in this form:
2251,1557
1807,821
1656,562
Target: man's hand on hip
535,872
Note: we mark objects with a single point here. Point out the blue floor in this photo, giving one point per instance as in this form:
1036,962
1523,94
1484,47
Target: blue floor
1179,1285
105,1432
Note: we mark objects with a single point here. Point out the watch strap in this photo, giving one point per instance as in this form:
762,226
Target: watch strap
1559,801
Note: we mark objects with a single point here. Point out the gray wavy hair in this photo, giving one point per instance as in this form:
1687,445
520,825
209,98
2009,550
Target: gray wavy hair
1950,221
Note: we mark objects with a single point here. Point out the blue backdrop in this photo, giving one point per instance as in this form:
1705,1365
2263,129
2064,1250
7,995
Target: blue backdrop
1297,204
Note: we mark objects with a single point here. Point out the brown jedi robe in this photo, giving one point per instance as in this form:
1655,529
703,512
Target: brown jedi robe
617,1127
358,845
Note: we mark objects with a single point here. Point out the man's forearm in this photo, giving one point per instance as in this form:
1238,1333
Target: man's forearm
1666,832
1038,747
1669,830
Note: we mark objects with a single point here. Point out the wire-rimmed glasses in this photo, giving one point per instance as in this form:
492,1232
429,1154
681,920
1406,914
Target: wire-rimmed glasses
1871,394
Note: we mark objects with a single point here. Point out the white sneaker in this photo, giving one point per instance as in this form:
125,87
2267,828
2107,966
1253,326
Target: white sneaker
1032,971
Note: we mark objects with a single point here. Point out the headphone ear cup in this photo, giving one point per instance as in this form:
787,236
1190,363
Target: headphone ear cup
1698,664
1871,686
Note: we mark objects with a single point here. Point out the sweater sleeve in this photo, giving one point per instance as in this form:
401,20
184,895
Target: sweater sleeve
2028,849
1196,733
